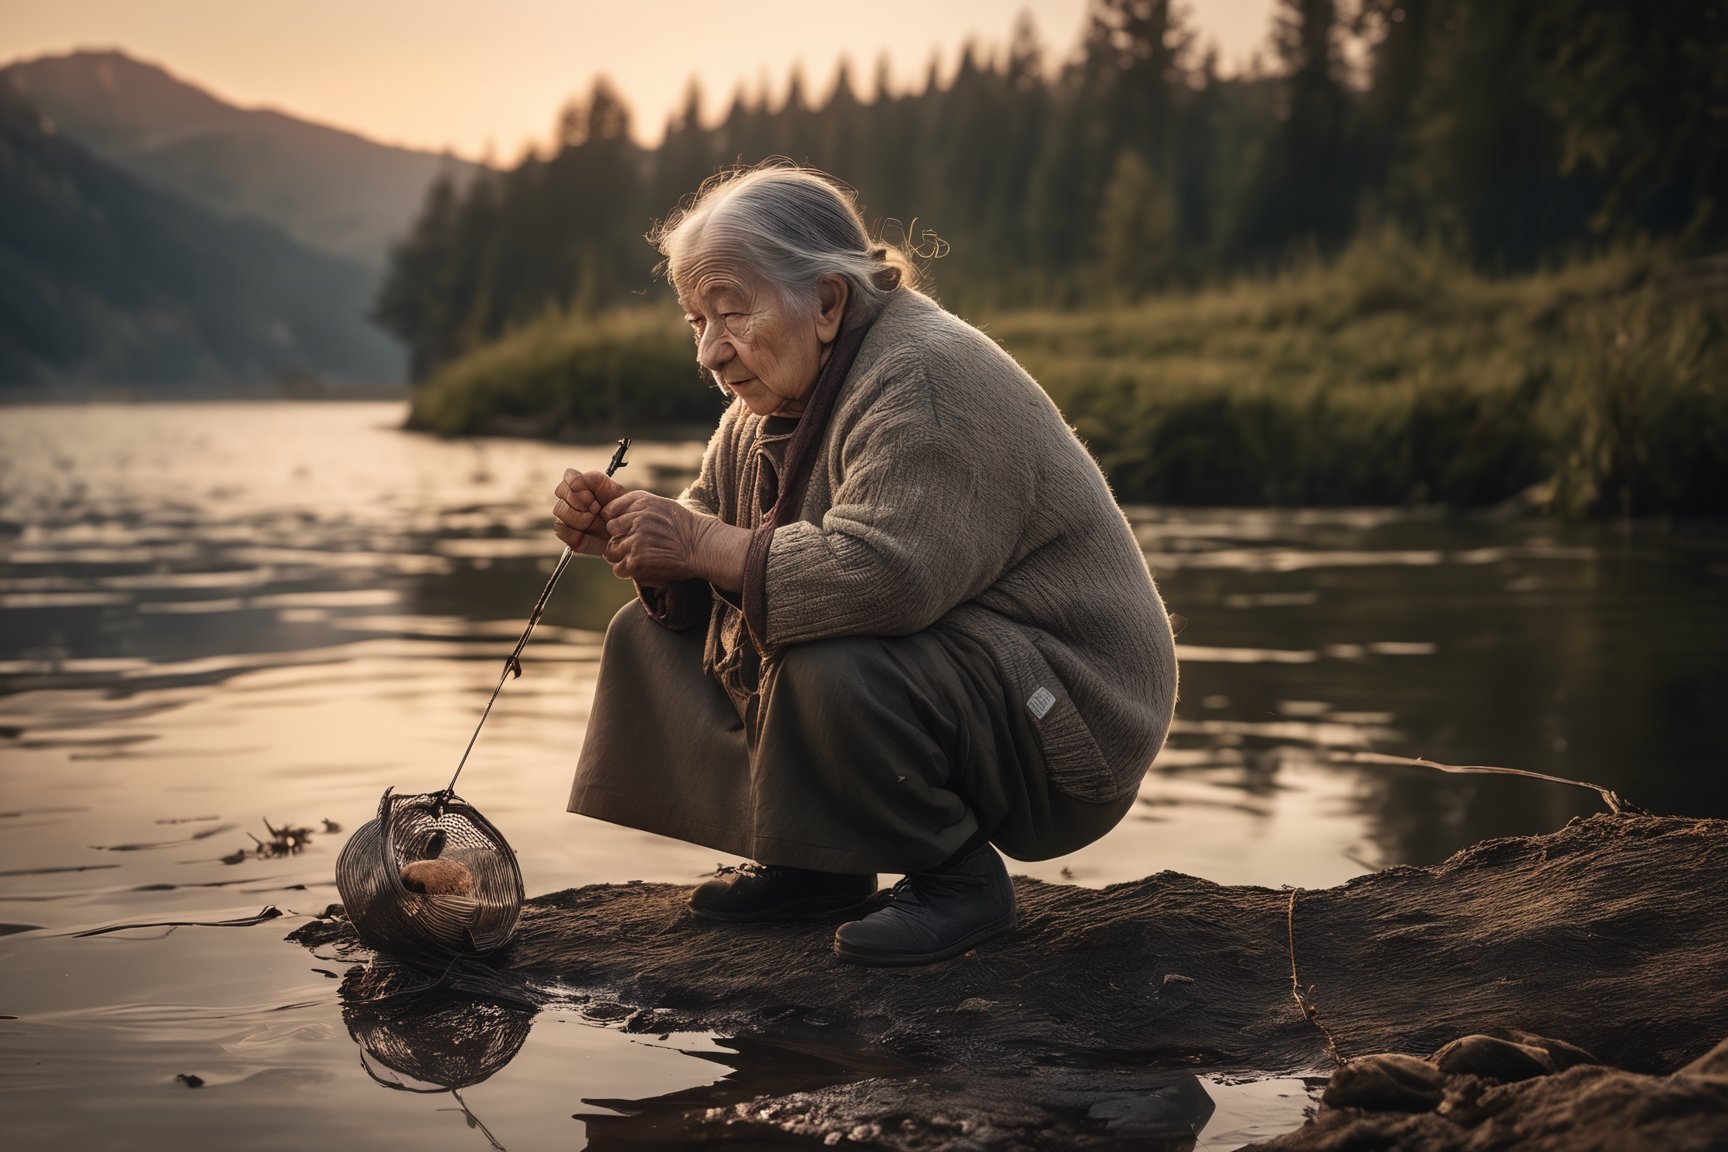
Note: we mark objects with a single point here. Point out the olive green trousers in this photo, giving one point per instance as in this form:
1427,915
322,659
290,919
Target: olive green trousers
870,754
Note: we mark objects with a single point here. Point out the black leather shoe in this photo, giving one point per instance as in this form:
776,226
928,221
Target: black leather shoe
769,892
934,915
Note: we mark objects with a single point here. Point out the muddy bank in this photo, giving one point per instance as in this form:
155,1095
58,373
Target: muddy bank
1084,1027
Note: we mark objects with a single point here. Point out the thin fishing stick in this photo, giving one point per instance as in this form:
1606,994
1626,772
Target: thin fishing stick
513,662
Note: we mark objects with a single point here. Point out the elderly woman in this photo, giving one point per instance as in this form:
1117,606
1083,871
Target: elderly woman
897,619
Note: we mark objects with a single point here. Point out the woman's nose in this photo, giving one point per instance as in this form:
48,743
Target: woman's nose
715,347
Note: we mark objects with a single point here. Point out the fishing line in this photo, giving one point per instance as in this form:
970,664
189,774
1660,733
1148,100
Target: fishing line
513,662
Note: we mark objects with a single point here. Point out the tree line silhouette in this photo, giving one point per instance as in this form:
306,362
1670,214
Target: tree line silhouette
1512,134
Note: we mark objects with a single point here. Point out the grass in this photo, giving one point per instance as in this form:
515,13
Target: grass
574,377
1390,375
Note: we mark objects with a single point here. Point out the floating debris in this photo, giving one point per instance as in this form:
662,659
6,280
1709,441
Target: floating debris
284,841
288,840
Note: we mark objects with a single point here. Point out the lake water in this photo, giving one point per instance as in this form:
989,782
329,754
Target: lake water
212,616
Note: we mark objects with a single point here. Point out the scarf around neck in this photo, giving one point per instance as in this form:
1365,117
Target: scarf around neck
801,455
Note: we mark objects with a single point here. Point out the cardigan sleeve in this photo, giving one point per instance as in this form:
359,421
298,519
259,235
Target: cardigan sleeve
927,514
687,603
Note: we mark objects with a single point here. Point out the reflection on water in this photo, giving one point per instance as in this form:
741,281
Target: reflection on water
438,1045
212,616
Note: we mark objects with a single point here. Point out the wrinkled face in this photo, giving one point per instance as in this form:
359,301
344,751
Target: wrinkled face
750,341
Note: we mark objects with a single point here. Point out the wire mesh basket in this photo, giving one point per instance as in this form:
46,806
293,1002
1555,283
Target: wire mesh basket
430,876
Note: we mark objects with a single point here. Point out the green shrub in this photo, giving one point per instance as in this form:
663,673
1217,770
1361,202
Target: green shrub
573,377
1394,375
1642,426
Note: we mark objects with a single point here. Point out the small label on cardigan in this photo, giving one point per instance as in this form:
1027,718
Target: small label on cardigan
1039,703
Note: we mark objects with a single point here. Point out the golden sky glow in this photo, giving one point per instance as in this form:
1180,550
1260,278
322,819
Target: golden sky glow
476,77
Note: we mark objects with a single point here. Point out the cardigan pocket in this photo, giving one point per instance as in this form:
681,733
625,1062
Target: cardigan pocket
1076,766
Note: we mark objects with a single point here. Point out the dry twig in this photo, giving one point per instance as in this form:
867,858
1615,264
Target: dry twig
1303,1001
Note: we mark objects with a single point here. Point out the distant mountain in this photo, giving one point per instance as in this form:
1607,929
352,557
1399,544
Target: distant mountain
106,282
331,190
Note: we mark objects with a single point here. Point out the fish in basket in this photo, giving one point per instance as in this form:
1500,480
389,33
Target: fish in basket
430,874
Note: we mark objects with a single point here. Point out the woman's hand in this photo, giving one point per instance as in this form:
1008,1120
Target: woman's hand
656,541
578,511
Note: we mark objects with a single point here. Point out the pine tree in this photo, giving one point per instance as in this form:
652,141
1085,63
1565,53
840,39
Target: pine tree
1137,240
415,301
686,156
1640,92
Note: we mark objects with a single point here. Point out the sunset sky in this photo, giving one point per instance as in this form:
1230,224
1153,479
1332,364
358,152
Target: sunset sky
490,78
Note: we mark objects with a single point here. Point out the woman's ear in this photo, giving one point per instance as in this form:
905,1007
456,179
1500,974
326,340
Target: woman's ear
831,295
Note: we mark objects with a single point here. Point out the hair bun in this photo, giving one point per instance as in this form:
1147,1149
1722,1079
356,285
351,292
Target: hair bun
887,279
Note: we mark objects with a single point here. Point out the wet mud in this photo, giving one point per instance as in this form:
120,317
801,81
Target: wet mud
1087,1026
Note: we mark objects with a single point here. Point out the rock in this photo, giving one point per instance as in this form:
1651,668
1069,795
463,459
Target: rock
438,877
1386,1082
1606,933
1494,1059
1588,1108
1561,1054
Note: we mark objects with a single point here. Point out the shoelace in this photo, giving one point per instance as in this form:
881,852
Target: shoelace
921,888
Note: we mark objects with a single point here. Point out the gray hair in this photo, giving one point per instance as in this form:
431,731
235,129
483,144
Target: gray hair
789,225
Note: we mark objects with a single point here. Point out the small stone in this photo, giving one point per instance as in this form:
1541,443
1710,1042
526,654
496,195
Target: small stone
1491,1058
438,878
1387,1082
1563,1055
190,1079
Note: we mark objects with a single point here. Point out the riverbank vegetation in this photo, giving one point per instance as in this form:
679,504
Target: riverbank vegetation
1394,375
1389,375
1428,250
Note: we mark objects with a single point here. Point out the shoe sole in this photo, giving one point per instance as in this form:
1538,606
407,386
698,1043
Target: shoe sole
797,910
853,954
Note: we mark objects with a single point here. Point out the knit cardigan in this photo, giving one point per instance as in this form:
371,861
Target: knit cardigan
947,492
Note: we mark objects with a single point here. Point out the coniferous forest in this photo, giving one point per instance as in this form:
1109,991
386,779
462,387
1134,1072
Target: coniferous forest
1402,227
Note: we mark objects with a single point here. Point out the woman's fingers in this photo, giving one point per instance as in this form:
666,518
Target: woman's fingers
648,537
636,501
600,486
597,516
578,509
576,499
586,543
580,531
